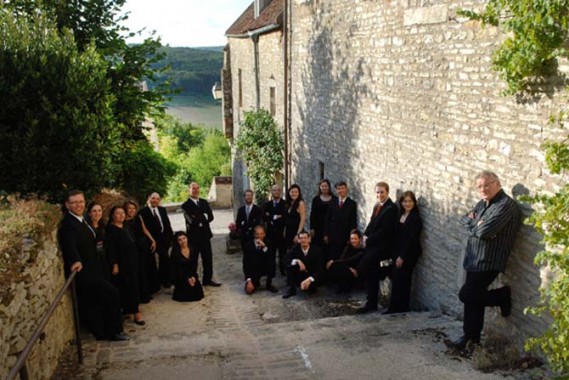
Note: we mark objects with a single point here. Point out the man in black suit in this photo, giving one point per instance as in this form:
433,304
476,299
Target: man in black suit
273,215
258,261
340,220
248,217
379,242
305,266
198,215
98,298
156,220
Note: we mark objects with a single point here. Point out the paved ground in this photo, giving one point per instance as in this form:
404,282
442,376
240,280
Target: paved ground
229,335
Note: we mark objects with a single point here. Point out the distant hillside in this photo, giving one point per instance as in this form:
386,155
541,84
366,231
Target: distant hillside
194,70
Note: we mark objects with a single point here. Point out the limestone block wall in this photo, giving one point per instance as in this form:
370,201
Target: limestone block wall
402,91
26,304
271,68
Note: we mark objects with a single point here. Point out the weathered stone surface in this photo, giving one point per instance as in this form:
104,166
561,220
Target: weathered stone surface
31,298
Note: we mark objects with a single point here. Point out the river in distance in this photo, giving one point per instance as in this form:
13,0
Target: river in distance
196,110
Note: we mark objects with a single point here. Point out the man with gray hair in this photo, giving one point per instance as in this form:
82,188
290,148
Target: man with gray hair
492,226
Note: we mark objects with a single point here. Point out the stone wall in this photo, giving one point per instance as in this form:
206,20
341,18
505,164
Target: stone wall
403,91
271,68
20,314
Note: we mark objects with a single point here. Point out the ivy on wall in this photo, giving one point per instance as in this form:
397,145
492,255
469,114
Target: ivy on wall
537,40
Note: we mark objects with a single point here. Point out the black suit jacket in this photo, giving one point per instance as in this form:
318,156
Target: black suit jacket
275,227
198,217
257,262
247,225
163,238
340,221
78,243
408,244
313,260
381,233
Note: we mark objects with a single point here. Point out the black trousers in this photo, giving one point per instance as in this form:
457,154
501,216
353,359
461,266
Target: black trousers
295,276
340,274
203,249
258,265
164,269
401,288
476,296
373,277
99,306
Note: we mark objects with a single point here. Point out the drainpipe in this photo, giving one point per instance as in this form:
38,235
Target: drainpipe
255,39
286,94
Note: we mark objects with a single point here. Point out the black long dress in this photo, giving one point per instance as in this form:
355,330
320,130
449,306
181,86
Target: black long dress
121,247
182,270
292,221
144,252
408,247
340,273
318,213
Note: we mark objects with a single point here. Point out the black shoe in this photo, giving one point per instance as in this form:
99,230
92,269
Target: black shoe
290,293
120,337
212,283
462,342
506,307
366,309
272,289
390,311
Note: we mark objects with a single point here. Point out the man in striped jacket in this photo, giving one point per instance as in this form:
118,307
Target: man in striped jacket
492,225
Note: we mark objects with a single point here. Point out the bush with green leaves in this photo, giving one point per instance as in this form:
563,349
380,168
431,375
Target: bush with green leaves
261,145
537,37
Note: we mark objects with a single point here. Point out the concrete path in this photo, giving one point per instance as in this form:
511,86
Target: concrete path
229,335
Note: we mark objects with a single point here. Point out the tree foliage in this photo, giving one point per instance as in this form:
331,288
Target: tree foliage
72,105
538,37
261,146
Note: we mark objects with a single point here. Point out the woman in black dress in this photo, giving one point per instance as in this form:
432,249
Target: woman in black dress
295,217
95,220
121,248
407,252
341,271
318,213
146,247
187,286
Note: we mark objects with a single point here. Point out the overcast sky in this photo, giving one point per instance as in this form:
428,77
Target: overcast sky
184,22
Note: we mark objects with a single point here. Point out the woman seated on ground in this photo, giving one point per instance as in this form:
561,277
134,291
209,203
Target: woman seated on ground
341,271
407,252
187,286
121,248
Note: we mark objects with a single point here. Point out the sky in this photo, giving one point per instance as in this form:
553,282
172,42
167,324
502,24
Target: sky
188,23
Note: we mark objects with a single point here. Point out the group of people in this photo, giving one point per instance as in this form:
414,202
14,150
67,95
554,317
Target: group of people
118,271
334,251
121,264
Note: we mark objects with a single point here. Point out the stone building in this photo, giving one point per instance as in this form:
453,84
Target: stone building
403,91
252,74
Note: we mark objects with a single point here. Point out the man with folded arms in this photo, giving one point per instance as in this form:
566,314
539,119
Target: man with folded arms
492,226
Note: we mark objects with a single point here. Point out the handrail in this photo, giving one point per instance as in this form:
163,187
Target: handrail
20,366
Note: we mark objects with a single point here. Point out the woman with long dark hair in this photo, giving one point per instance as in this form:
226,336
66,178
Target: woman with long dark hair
318,211
95,220
187,286
407,252
121,247
295,217
341,270
146,246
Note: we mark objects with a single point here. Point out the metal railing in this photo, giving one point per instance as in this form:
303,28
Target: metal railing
20,366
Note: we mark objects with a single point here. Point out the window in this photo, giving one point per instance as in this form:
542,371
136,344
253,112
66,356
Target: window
321,169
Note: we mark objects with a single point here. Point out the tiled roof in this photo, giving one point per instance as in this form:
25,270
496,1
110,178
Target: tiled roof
272,14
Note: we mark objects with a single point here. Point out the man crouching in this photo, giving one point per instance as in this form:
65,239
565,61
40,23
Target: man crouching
304,266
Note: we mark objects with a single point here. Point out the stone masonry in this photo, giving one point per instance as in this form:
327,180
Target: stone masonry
21,313
403,91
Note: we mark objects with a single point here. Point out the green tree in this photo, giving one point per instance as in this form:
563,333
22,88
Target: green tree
261,146
56,123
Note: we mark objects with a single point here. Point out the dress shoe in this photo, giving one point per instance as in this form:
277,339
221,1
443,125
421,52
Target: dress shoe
212,283
289,293
272,289
140,322
390,311
506,307
462,342
366,309
120,337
